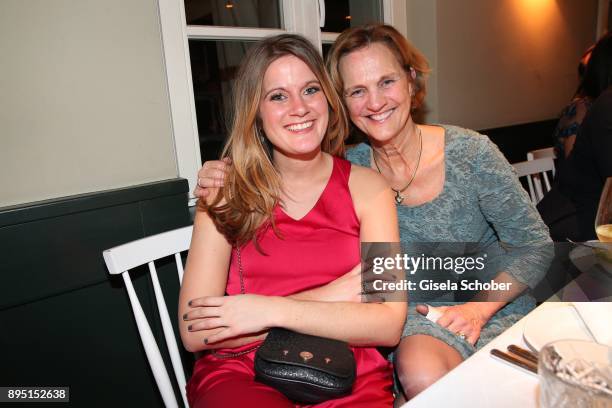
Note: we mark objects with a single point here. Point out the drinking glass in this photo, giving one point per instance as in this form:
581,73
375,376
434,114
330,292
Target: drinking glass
576,374
603,221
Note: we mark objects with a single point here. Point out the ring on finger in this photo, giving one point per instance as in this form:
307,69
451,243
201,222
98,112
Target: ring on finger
461,335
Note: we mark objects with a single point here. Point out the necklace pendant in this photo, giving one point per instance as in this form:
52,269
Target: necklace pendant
398,197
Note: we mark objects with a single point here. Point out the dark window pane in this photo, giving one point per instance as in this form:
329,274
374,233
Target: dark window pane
234,13
342,14
213,68
326,47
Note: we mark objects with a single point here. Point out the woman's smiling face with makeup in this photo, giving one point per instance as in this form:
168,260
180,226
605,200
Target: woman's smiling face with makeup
293,108
377,92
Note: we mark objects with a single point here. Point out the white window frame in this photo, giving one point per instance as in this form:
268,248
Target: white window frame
299,16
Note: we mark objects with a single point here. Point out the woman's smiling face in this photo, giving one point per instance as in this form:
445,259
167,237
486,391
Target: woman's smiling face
293,108
377,91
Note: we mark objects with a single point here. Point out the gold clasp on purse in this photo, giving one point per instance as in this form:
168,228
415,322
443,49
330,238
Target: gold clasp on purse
306,355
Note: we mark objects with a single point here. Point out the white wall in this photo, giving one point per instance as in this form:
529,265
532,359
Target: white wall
422,31
503,62
83,101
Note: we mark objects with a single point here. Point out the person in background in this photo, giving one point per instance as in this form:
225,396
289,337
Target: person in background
282,238
569,209
571,206
450,185
592,72
572,115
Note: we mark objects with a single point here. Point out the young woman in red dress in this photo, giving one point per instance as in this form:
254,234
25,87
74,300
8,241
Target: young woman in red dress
284,205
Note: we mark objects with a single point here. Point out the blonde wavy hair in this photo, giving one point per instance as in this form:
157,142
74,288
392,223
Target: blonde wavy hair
253,186
407,55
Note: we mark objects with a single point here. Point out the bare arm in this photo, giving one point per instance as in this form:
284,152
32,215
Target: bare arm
205,275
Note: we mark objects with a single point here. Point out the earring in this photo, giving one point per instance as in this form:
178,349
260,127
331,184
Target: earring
260,135
413,73
264,141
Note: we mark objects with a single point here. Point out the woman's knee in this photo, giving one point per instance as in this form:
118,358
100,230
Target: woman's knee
421,360
415,378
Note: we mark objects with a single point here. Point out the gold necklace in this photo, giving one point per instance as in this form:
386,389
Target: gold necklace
398,193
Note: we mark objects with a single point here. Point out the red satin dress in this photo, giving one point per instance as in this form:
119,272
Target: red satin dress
314,250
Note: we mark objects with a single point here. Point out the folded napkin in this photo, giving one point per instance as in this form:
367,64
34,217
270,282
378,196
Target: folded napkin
597,316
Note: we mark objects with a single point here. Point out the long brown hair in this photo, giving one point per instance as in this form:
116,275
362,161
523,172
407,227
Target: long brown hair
407,55
253,186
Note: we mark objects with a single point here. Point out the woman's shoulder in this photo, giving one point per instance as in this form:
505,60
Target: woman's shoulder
358,176
366,176
364,182
460,135
370,193
466,144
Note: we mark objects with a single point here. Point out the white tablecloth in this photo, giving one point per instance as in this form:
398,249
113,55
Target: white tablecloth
484,381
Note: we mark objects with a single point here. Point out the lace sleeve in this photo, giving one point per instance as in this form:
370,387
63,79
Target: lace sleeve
508,209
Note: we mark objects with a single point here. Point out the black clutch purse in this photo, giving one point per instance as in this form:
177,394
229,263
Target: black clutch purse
306,369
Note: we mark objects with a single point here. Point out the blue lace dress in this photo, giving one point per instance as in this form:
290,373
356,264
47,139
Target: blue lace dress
482,202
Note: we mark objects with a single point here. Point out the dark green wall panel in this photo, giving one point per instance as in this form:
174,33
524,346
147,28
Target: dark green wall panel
63,319
58,254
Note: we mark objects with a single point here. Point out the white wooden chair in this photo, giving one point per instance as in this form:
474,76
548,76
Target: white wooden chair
537,178
543,153
122,258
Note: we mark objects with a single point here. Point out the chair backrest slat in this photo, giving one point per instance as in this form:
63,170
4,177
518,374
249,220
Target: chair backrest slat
154,356
537,179
179,267
546,182
164,316
541,154
532,194
128,256
123,258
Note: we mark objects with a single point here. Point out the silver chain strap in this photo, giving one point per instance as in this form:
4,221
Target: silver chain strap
240,271
223,356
